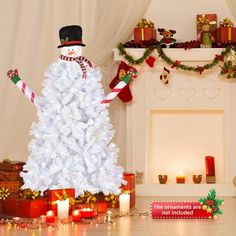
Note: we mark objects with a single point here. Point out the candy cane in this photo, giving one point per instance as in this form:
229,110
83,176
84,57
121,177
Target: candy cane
13,76
127,78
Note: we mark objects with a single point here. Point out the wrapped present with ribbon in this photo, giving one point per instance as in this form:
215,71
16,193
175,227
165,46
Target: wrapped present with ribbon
226,33
129,187
206,19
59,194
144,31
27,208
12,186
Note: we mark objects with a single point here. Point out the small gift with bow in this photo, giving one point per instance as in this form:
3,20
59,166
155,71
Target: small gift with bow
203,20
226,33
144,31
60,194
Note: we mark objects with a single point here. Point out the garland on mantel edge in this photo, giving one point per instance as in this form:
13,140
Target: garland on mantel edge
175,64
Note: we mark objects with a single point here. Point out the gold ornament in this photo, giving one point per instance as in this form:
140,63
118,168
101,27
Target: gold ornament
4,193
226,23
209,210
202,20
204,207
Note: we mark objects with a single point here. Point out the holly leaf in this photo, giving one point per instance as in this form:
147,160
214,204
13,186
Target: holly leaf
202,200
219,211
211,194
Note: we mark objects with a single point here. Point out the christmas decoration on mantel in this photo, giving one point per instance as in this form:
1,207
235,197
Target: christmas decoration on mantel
177,64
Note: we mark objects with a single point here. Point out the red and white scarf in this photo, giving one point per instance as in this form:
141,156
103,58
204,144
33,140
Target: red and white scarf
82,61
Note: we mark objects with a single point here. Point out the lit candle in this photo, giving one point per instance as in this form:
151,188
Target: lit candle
50,217
76,215
210,169
124,203
180,178
63,209
87,213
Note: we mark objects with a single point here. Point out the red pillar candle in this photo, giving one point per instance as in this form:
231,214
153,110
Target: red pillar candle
210,166
50,216
76,215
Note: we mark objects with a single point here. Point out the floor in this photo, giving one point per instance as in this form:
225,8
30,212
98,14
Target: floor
225,225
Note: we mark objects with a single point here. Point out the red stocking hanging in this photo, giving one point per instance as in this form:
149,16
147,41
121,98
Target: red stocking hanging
150,61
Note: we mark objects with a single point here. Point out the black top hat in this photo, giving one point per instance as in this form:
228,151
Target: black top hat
70,36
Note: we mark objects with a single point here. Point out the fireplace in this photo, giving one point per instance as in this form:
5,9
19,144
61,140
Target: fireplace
171,128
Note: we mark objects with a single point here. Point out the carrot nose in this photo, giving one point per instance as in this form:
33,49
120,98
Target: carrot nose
71,53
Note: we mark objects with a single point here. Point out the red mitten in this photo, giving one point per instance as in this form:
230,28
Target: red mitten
125,95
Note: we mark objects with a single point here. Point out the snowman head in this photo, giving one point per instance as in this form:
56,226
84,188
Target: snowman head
71,51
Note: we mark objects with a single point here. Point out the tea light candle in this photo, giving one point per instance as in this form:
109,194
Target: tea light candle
124,203
180,178
197,178
50,217
87,213
162,179
76,215
63,209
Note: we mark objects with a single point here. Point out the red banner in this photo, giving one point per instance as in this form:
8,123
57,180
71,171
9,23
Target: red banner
179,210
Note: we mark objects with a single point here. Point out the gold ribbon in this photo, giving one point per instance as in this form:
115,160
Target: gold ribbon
229,33
129,191
29,194
4,193
86,197
203,20
63,197
226,23
7,160
144,23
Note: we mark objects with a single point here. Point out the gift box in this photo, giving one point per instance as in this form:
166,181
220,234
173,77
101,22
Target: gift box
26,208
129,187
10,175
8,165
144,31
13,186
59,194
204,19
226,34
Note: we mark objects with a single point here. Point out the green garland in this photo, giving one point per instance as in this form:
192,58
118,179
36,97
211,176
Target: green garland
174,64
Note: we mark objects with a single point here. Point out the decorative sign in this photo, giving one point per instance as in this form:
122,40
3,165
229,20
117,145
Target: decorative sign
206,208
179,209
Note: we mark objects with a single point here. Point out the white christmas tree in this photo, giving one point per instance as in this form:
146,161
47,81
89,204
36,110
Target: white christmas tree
72,145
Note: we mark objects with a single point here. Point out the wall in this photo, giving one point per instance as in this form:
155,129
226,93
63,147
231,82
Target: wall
180,15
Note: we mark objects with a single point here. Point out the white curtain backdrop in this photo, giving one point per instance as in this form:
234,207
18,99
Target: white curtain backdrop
29,40
232,7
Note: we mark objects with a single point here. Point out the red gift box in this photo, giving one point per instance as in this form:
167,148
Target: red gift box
13,186
10,175
8,165
52,197
144,34
202,19
27,208
226,34
130,187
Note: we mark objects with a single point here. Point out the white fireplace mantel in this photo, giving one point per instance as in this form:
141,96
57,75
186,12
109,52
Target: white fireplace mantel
173,127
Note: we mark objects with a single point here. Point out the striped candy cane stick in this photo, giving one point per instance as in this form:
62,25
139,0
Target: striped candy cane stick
127,78
13,76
